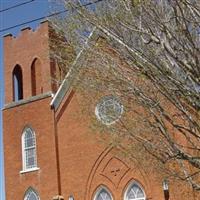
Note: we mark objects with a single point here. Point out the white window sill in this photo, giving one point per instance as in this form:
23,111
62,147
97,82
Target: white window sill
29,170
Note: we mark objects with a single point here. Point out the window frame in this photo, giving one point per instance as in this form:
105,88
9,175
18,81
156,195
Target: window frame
24,164
98,190
29,190
130,186
101,103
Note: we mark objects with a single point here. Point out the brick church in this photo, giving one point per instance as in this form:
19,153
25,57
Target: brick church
49,154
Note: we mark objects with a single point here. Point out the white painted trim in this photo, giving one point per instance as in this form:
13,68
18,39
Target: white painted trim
101,101
66,83
31,190
128,188
23,152
29,170
99,190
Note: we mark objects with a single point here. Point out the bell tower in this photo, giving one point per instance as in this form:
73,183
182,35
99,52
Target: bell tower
27,64
28,120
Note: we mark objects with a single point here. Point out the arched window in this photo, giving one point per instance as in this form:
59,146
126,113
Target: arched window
102,194
36,77
134,192
31,194
17,83
29,149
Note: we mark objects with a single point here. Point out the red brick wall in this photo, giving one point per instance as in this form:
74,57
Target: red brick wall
85,163
36,77
38,115
22,50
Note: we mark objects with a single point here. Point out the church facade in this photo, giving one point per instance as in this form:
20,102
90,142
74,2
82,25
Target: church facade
48,150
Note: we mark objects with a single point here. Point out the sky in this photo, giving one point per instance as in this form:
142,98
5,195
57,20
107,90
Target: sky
8,18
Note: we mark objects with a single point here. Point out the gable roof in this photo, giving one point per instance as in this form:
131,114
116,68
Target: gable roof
69,78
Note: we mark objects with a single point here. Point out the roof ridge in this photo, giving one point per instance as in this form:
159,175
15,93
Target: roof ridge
69,78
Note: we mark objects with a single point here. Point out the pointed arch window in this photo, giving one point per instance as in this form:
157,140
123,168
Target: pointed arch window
36,77
31,194
103,194
134,192
17,83
29,149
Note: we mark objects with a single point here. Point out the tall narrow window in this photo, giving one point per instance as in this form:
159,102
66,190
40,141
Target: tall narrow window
102,194
36,77
17,83
29,149
134,192
31,194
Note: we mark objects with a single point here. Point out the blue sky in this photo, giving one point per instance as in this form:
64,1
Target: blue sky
27,12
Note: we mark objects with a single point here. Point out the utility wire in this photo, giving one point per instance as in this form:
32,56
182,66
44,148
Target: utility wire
53,14
15,6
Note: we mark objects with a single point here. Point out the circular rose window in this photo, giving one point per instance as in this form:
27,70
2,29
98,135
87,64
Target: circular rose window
109,110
